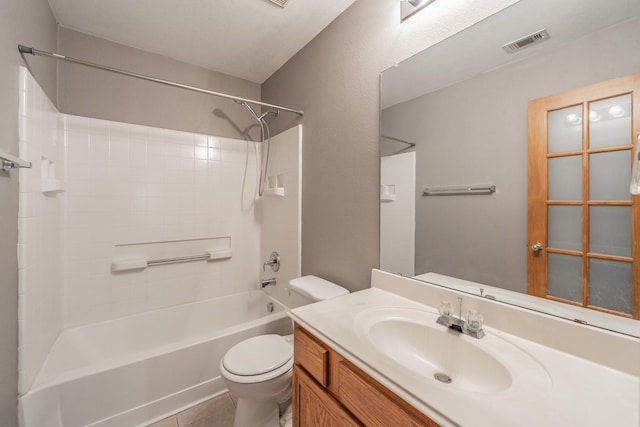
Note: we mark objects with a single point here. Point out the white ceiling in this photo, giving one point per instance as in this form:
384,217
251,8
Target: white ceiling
249,39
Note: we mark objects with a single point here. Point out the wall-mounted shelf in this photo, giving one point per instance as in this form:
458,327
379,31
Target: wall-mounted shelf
138,256
275,186
388,193
276,191
50,183
140,263
9,161
53,186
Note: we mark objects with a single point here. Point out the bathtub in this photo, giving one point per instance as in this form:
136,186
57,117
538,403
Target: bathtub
138,369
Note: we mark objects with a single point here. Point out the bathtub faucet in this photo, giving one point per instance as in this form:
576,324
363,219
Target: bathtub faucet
273,262
267,282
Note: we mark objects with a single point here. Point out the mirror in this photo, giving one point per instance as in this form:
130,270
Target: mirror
454,117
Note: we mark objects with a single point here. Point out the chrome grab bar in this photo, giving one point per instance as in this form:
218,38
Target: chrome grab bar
461,190
178,259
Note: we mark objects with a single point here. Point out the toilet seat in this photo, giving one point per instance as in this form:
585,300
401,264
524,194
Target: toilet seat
258,359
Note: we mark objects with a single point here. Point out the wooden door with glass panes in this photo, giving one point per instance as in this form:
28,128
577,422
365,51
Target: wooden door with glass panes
583,222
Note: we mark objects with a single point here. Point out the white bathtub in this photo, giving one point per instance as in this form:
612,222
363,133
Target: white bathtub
137,369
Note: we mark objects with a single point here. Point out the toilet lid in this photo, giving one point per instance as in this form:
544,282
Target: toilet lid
258,355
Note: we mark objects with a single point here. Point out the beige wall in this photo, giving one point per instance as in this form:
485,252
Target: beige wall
335,79
99,94
28,22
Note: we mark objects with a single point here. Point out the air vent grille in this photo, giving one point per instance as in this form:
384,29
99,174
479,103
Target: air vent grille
526,41
280,3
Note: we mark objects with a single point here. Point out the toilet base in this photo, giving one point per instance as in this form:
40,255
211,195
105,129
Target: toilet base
257,413
286,414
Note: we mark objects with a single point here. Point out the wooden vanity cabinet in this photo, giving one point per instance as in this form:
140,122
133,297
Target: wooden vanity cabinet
329,391
315,407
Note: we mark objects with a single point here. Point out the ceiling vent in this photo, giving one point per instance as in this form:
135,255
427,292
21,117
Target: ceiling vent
280,3
526,41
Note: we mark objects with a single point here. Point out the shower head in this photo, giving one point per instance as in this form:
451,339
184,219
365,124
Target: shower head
248,107
266,113
266,140
263,115
220,113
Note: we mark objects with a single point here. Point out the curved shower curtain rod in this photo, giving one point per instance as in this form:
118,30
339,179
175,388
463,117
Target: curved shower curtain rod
33,51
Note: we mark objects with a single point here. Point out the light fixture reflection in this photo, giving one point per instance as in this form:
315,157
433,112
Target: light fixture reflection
616,111
573,119
600,115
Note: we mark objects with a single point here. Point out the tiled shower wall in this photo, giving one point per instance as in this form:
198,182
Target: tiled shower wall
281,225
39,236
130,185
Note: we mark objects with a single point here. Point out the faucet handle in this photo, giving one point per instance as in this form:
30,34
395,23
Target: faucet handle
474,320
273,262
445,308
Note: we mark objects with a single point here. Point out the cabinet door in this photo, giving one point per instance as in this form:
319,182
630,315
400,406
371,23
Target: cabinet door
314,407
373,404
311,355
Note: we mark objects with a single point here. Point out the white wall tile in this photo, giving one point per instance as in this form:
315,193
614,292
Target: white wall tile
39,234
155,185
280,216
132,184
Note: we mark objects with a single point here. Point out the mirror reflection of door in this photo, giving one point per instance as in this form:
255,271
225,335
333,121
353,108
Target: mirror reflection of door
583,223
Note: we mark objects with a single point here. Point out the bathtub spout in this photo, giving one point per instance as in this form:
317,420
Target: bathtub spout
267,282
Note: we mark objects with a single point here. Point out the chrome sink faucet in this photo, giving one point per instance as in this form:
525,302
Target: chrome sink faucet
473,325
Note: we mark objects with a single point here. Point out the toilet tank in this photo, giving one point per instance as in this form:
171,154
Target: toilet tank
316,289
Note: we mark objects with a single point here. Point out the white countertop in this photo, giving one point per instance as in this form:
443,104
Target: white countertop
580,393
593,317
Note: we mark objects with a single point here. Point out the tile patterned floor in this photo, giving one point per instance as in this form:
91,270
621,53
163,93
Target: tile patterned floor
217,412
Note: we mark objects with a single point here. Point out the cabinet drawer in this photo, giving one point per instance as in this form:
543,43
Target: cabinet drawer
373,404
311,355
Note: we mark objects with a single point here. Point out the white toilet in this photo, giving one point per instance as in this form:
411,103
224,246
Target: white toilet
258,370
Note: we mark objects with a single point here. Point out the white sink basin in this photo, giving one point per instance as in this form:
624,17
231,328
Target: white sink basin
413,340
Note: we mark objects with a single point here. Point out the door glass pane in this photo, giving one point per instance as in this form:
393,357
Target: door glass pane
609,175
610,122
610,230
565,129
565,276
565,227
565,178
610,284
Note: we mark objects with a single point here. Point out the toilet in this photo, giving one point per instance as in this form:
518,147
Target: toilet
258,370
